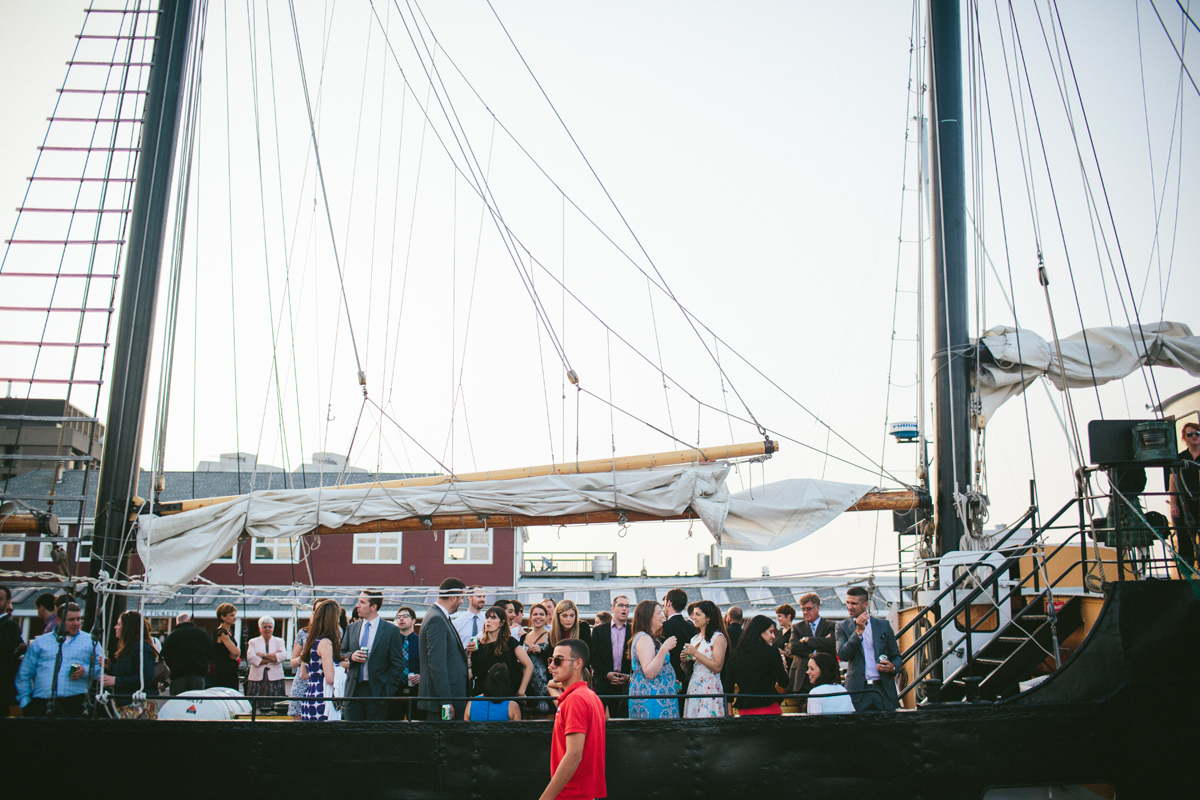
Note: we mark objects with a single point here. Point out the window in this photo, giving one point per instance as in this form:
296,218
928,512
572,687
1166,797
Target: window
83,550
277,550
377,548
469,547
14,551
226,557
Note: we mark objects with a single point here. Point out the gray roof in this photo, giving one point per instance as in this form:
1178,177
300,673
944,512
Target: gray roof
592,597
179,485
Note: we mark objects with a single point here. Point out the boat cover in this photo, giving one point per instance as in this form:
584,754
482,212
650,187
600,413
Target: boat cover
1013,358
175,549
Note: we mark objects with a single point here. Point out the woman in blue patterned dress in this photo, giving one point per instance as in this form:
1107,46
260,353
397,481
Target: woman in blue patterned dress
652,672
322,651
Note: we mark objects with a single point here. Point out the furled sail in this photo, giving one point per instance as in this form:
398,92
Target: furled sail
176,549
1013,358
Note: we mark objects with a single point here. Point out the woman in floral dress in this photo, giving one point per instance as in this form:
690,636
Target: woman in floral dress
652,671
706,652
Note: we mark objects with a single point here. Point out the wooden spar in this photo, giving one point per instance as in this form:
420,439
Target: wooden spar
44,524
873,501
905,500
673,458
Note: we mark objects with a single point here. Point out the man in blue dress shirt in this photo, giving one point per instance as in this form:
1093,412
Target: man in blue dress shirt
54,675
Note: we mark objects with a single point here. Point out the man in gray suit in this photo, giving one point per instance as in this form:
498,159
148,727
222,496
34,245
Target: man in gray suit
443,659
868,646
375,667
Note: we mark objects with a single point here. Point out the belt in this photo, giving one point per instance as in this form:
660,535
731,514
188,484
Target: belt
875,682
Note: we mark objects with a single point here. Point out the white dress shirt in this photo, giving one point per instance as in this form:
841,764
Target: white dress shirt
868,641
463,625
371,631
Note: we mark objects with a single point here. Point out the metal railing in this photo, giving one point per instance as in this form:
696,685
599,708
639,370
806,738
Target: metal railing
1130,564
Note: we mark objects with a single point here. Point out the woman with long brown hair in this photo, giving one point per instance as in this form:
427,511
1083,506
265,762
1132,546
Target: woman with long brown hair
497,646
322,650
652,672
134,655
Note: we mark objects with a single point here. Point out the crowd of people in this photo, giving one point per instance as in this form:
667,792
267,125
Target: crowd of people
654,660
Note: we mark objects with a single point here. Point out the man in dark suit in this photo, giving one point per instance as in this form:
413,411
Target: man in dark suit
679,626
811,633
868,646
375,667
443,659
10,641
610,658
733,626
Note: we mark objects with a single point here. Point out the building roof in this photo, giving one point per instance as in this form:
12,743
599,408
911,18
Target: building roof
592,597
179,485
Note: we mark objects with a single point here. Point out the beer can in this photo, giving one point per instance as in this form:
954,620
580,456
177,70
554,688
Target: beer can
447,711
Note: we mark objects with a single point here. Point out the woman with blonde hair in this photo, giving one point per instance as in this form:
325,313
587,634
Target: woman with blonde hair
567,625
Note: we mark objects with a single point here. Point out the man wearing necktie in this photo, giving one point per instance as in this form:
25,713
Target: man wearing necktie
811,633
375,667
471,623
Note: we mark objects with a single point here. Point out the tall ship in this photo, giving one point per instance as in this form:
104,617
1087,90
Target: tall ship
339,240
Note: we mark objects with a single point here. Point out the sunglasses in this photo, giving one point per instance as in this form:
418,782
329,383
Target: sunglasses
1192,434
558,660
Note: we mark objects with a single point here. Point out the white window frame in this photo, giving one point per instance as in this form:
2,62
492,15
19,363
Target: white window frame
454,541
86,536
372,540
275,544
228,558
20,551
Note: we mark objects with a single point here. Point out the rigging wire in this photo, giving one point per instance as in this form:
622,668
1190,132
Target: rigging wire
362,377
1178,54
237,428
507,235
686,314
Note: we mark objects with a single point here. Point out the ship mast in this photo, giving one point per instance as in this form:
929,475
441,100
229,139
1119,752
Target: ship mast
952,450
135,326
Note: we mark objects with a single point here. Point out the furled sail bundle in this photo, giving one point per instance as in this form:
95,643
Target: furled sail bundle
1013,358
176,549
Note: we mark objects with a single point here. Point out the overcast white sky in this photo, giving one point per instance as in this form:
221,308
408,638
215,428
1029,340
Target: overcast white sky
757,152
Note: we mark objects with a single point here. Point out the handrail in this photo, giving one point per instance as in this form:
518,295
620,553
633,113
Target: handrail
954,585
942,622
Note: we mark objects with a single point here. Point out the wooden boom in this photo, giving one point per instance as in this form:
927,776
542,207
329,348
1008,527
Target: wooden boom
675,457
872,501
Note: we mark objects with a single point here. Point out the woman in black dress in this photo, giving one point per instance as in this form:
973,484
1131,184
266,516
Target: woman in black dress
496,646
757,668
226,654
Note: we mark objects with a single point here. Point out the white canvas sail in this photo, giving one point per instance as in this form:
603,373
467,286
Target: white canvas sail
1018,357
176,549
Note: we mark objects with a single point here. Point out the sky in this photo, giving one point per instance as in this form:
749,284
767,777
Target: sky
759,161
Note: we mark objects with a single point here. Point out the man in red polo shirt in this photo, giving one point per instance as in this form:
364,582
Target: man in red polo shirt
577,746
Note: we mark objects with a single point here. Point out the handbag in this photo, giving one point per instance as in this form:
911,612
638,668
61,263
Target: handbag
161,672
